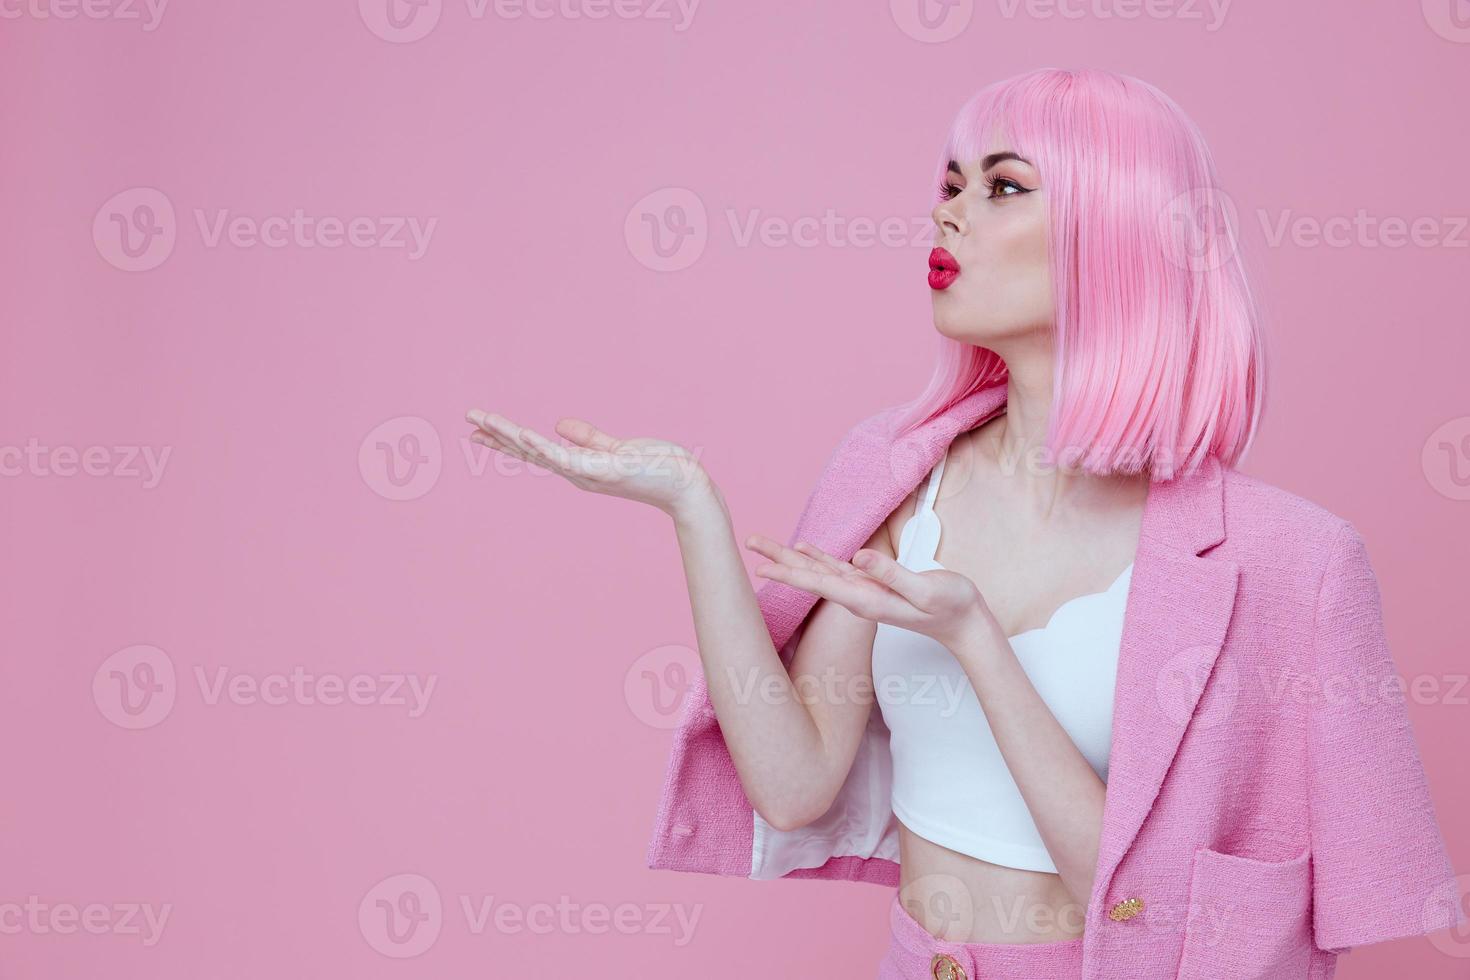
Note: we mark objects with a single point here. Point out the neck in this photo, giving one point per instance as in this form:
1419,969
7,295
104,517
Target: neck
1014,442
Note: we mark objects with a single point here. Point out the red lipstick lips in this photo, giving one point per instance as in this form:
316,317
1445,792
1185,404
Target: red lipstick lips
943,269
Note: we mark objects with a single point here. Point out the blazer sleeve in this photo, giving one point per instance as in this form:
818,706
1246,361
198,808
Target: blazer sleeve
1379,866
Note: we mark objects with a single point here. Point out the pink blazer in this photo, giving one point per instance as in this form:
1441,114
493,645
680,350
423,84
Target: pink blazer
1266,803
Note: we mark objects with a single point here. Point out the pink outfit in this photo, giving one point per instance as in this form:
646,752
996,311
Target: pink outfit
912,951
951,783
1266,803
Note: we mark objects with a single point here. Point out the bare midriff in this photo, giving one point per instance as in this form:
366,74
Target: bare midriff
960,898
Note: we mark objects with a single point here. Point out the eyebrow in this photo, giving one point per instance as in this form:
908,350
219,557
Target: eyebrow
992,160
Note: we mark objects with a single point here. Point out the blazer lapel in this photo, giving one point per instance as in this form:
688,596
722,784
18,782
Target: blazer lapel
868,475
1178,609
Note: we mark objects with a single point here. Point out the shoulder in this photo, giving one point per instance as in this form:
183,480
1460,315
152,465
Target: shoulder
1254,503
875,431
868,452
1270,525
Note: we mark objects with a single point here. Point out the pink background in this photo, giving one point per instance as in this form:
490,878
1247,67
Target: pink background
271,375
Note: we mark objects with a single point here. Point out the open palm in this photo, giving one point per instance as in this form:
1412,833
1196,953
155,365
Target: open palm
940,603
653,471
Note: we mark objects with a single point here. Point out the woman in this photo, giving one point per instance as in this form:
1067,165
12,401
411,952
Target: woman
1107,743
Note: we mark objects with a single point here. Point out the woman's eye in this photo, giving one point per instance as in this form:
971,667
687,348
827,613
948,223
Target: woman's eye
948,190
1003,182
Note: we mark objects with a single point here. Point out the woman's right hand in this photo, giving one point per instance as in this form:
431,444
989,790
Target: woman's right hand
652,471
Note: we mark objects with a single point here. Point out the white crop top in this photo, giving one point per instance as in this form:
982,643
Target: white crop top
950,781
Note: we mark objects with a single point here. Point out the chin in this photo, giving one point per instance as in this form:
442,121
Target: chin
968,331
945,329
950,322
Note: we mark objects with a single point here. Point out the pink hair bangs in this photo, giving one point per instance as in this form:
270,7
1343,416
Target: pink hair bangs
1158,340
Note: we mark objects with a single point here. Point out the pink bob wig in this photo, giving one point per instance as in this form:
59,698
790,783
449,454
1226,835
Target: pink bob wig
1158,341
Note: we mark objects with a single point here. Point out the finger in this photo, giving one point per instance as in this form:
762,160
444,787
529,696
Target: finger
518,440
565,467
585,434
778,552
499,445
502,429
836,564
484,428
489,421
570,461
510,433
539,445
860,600
762,544
907,583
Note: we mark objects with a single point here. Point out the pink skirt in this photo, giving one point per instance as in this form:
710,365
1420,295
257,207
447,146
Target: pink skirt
915,954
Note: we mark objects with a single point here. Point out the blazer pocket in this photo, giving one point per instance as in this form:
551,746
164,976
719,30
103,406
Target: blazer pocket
1248,919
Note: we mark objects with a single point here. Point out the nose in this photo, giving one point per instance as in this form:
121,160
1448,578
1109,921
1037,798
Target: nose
949,219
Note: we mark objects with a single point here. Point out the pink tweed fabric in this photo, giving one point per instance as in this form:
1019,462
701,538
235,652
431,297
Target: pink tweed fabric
1266,802
912,955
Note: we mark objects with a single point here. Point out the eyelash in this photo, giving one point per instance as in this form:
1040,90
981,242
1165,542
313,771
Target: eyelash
948,190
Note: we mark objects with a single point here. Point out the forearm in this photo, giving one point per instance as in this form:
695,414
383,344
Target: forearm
773,738
1061,789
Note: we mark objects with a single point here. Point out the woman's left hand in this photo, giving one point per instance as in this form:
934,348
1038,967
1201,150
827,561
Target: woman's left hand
940,604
